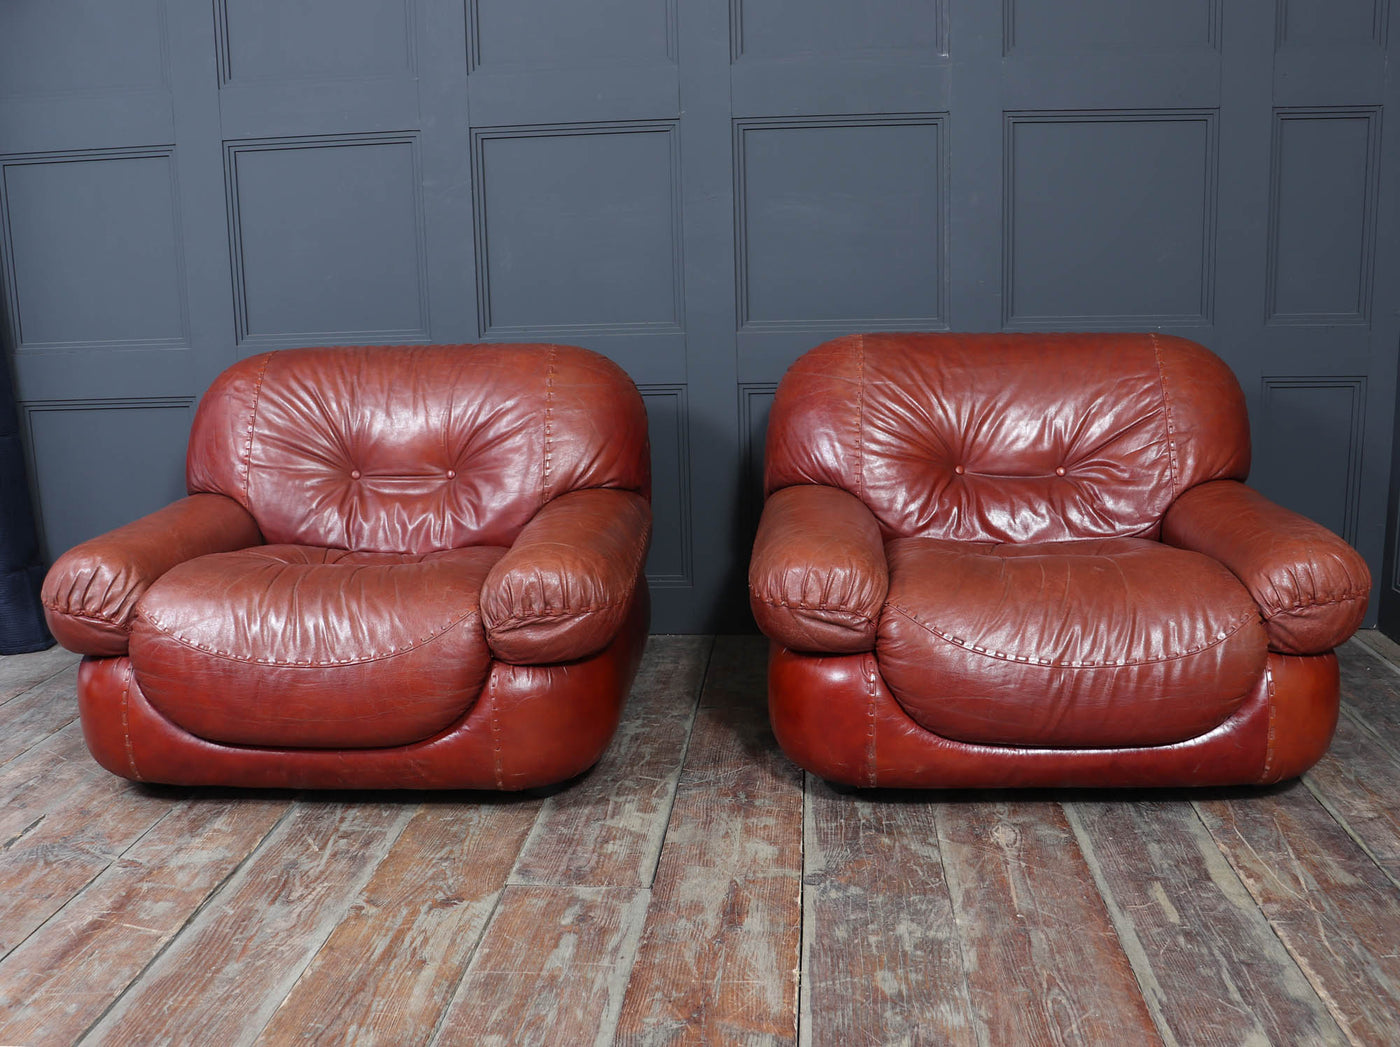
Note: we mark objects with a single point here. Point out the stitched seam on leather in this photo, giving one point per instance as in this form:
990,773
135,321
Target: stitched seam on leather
1167,412
99,618
1022,659
1279,612
871,773
384,656
1269,748
498,769
252,428
523,616
126,723
860,420
867,619
548,424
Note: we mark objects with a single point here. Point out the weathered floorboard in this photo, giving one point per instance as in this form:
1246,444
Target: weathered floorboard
1358,781
1329,903
221,980
18,673
64,832
720,951
1371,690
1044,964
61,979
1192,931
550,970
607,829
44,709
882,960
389,968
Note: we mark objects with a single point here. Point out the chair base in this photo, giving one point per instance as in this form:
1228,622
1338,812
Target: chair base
834,716
533,726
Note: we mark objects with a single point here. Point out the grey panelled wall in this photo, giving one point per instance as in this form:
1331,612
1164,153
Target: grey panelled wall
701,189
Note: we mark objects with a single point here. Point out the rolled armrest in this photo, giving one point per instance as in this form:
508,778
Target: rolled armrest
562,589
1311,587
92,590
818,577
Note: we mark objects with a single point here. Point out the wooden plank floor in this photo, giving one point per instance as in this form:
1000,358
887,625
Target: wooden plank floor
696,888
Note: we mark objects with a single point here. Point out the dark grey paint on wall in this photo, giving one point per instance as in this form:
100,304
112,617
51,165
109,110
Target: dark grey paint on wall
701,189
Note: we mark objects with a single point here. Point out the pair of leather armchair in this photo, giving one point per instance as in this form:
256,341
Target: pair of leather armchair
984,560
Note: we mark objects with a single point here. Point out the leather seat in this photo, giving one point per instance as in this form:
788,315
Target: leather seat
1030,560
414,567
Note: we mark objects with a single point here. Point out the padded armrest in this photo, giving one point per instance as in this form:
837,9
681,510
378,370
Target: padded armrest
818,577
92,590
563,588
1311,587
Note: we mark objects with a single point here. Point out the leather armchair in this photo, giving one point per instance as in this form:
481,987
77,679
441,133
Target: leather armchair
1031,560
397,567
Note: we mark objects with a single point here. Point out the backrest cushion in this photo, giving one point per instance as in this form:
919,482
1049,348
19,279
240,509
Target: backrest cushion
412,449
1009,437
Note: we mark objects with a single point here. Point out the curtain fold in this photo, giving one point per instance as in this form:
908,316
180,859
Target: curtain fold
21,565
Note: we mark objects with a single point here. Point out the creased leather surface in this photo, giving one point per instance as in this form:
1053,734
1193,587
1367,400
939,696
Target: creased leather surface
1310,585
415,448
1089,644
92,590
833,716
531,726
563,588
315,648
817,579
1008,437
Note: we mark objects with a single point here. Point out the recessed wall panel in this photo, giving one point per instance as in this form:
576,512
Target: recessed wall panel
1322,216
84,488
787,28
1110,218
1308,455
276,40
79,45
668,422
1320,23
755,405
93,256
840,220
1051,26
578,227
567,33
328,238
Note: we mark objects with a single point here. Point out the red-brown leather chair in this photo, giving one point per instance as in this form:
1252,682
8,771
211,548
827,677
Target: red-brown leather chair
398,567
1030,560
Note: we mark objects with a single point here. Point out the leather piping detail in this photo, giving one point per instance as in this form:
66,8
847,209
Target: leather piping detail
1269,747
1172,468
548,481
1235,627
252,430
860,419
126,722
872,697
379,656
498,769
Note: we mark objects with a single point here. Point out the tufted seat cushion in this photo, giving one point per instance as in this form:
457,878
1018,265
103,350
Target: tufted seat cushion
303,647
1090,644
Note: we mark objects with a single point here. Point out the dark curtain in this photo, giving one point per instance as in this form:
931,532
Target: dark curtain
21,568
